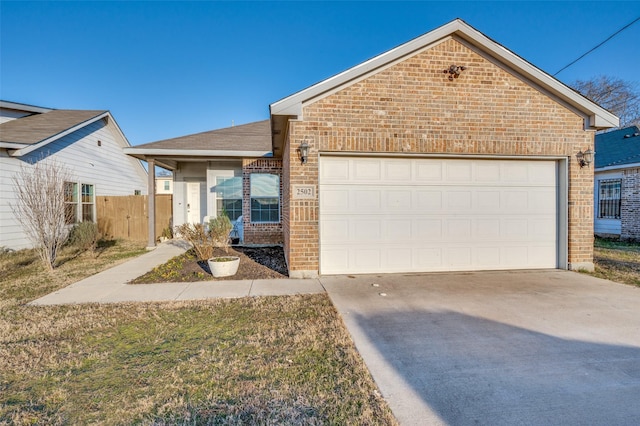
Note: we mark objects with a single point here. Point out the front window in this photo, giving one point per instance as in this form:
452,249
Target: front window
71,202
609,199
265,197
229,196
88,201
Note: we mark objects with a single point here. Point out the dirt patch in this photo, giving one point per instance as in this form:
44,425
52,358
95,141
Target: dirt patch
255,263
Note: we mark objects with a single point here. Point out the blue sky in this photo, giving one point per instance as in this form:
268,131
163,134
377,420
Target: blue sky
167,69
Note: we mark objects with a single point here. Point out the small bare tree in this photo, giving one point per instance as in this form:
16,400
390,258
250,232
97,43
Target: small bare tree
41,207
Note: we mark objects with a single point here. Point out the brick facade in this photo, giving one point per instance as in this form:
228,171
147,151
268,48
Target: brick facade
630,205
260,233
411,108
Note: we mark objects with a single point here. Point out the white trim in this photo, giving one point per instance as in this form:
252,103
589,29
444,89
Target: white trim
13,145
195,153
440,155
32,147
598,117
620,167
23,107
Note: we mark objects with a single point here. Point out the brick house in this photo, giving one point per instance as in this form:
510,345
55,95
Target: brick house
617,184
448,152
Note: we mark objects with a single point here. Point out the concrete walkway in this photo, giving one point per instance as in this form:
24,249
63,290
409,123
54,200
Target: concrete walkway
111,286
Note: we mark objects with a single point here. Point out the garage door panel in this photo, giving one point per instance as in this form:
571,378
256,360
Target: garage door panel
407,215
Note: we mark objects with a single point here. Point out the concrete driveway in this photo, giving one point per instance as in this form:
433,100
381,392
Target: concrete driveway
498,348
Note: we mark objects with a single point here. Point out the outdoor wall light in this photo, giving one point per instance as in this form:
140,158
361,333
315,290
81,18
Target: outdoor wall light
454,71
304,151
585,158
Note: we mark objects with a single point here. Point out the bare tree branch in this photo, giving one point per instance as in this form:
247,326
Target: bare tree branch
41,208
620,97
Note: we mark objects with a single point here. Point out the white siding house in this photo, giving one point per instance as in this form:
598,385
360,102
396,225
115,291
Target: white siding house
89,143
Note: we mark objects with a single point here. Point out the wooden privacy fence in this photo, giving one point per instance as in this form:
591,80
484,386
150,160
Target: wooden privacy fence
127,216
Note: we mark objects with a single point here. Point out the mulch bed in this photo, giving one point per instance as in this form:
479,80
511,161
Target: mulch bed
255,263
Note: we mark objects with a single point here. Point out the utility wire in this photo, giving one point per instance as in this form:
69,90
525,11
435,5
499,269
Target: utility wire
609,38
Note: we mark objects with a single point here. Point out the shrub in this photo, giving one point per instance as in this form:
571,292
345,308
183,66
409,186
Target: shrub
199,237
220,227
85,236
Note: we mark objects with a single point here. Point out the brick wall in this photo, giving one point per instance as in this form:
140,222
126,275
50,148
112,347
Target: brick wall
412,107
630,206
260,233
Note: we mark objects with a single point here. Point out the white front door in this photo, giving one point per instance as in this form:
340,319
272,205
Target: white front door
380,215
193,202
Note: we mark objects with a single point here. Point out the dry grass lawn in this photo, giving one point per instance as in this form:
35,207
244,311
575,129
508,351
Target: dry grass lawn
617,261
277,360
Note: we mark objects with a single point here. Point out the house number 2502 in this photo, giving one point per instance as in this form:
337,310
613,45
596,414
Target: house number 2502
304,191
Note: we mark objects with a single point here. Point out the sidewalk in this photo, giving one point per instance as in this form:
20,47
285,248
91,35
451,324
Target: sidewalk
111,286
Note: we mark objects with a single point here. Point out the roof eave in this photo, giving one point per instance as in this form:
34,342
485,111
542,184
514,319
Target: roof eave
142,153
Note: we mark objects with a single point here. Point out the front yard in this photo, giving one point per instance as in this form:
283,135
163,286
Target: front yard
277,360
617,261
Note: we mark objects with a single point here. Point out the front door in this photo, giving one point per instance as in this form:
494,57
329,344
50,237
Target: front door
193,202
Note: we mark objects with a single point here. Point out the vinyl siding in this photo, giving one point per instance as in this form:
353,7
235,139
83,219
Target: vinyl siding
106,167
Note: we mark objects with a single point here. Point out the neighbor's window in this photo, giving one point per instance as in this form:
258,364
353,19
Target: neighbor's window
88,201
229,196
265,197
609,199
71,201
166,185
137,192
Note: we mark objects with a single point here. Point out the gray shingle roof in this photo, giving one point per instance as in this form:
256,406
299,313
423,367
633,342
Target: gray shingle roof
38,127
614,149
246,137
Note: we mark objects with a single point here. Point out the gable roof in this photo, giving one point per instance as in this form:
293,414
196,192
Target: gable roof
23,107
29,133
618,148
291,106
246,140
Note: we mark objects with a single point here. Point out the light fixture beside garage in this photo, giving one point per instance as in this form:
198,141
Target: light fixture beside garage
304,151
585,158
454,71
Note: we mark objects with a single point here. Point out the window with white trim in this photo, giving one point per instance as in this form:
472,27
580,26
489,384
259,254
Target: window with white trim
88,203
609,198
79,202
265,197
167,185
71,202
229,196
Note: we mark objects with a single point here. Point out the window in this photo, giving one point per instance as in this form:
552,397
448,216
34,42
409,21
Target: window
79,205
265,197
167,185
88,201
71,201
609,199
229,196
137,192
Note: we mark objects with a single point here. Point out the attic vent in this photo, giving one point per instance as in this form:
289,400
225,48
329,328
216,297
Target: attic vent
99,143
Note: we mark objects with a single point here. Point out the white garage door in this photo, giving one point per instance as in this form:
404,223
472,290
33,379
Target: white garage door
381,215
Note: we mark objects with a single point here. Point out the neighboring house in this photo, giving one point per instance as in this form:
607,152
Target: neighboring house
89,143
164,184
447,153
617,184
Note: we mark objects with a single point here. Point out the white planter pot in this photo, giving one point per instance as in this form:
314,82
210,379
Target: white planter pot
223,266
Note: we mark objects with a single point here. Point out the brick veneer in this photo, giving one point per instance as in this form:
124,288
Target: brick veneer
630,205
259,233
411,108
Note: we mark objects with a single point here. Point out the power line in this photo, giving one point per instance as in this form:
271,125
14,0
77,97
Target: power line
608,38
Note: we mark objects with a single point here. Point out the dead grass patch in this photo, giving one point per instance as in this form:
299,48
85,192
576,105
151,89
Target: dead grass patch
277,360
617,261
